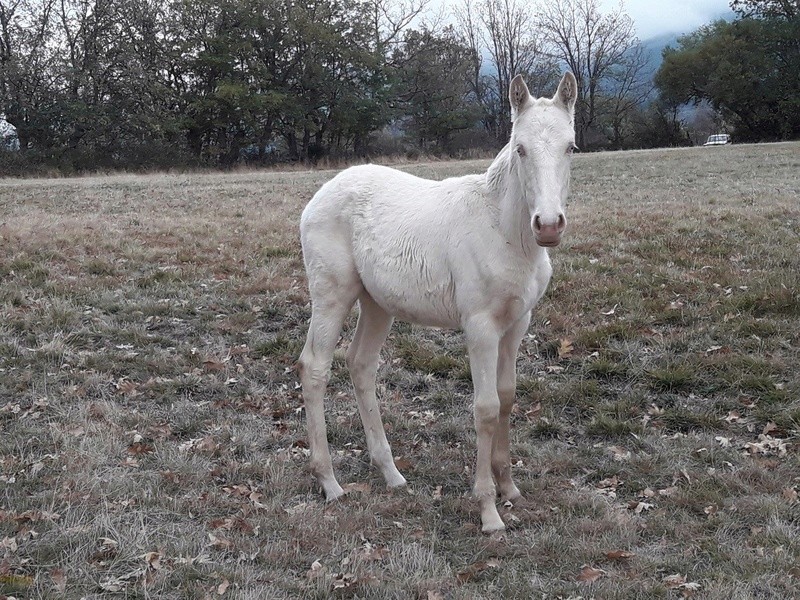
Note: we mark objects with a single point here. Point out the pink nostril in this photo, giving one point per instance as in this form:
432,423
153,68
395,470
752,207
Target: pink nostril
562,223
537,223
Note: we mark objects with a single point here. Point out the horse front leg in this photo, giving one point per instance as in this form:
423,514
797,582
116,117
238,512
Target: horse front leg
506,390
482,344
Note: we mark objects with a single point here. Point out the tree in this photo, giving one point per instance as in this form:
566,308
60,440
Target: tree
434,87
746,70
506,31
625,90
592,45
781,9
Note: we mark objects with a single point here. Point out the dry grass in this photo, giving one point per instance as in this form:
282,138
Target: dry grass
152,442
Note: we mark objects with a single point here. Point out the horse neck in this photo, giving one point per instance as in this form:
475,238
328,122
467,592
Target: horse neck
507,187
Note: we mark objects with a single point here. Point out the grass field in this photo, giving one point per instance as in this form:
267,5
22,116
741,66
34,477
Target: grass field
152,439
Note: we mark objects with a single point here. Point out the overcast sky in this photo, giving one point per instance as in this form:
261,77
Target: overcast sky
655,17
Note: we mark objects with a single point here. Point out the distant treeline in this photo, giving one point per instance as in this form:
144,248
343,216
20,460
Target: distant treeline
159,84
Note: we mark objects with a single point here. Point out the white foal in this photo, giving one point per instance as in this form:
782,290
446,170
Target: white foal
468,252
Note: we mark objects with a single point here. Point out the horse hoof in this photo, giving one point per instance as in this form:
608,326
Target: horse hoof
398,482
333,494
493,527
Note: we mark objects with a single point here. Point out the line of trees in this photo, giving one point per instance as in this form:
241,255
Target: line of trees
142,84
168,83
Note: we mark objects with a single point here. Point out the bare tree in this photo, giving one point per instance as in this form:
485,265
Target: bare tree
625,90
390,18
592,45
505,30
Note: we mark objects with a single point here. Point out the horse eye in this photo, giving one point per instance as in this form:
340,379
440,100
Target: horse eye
572,148
521,150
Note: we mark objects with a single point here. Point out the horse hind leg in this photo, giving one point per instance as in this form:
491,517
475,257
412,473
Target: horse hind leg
362,361
328,312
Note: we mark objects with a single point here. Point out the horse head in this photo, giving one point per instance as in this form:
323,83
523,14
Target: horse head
542,143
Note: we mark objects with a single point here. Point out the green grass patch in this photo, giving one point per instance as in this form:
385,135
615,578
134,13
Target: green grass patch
672,378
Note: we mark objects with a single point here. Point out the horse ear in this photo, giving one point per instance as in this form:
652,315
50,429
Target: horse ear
518,95
567,92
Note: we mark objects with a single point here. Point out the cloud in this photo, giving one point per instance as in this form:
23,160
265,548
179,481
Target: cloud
654,17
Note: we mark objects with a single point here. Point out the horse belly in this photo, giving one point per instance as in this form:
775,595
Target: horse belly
412,291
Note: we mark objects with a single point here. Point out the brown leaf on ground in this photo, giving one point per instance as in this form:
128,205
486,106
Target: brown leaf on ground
674,581
59,578
589,574
619,555
533,412
402,463
609,483
376,553
475,570
565,348
361,488
139,448
153,560
790,495
213,365
639,507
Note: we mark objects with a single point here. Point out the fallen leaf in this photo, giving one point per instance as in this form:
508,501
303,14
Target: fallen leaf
376,553
138,448
223,587
153,560
344,580
474,570
609,482
565,348
361,488
725,442
639,507
9,543
219,542
673,581
733,416
589,574
207,445
619,555
435,595
533,412
790,495
620,454
113,584
608,313
213,365
670,491
402,463
316,570
59,578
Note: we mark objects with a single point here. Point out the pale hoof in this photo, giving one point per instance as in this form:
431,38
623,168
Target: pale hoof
333,493
511,495
493,527
396,482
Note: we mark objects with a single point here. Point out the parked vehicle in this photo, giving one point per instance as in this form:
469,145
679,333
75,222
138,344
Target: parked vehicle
718,139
